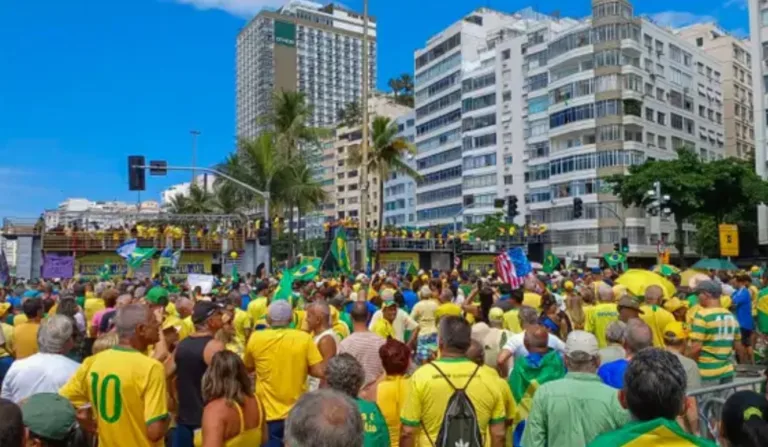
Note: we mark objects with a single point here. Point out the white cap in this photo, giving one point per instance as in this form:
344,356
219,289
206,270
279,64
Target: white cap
361,277
581,341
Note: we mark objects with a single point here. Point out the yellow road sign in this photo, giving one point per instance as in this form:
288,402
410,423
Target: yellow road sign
729,240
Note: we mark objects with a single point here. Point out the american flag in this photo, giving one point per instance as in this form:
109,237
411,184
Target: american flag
506,270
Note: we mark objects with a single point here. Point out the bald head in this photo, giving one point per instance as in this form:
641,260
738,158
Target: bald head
653,295
605,293
638,336
536,339
359,312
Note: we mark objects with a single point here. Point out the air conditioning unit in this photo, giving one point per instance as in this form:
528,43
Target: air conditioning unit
653,77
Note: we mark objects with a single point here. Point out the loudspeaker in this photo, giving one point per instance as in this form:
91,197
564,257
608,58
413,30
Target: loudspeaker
536,252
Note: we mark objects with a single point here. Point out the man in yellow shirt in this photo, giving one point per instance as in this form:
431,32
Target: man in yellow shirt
655,316
604,313
126,389
383,326
185,306
25,334
257,308
432,385
242,322
6,341
511,319
281,359
447,307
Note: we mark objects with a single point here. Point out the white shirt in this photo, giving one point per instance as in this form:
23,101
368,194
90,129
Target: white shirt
516,346
402,322
39,373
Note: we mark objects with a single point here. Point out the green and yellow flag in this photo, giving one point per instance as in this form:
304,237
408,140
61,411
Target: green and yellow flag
339,250
615,259
307,270
762,311
550,262
528,375
651,433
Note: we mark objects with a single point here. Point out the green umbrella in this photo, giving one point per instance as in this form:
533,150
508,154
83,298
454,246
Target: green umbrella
714,264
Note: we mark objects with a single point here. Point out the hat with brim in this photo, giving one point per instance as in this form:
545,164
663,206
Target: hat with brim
48,415
157,296
628,302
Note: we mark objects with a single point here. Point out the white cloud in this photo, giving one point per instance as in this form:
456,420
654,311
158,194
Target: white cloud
240,8
677,19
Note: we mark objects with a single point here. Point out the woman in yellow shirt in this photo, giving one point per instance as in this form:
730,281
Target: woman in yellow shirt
390,390
232,416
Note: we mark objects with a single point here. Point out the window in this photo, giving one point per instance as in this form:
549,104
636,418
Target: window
440,176
633,82
571,91
479,82
479,161
699,41
438,86
537,128
649,114
436,123
571,115
507,179
538,105
438,104
661,118
479,181
439,194
612,132
439,140
608,107
438,213
474,123
607,58
568,43
438,51
481,141
506,54
438,159
537,82
481,102
438,69
676,121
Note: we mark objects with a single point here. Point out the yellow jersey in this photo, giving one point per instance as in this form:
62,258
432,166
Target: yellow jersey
281,358
8,349
531,299
242,323
92,305
446,310
423,313
383,328
429,394
19,319
512,322
170,309
127,392
657,318
257,309
598,320
25,339
391,394
187,328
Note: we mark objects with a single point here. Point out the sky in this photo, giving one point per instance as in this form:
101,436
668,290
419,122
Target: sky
85,83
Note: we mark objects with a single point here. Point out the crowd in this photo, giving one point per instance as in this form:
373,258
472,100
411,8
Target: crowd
434,358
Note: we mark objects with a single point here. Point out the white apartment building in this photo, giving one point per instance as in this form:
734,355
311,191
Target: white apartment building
456,93
735,59
400,189
204,181
758,26
302,46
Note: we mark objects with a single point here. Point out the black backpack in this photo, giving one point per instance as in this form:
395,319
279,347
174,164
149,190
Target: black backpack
459,427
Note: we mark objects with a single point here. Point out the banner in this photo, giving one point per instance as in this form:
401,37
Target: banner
204,281
398,261
90,265
189,263
478,262
58,266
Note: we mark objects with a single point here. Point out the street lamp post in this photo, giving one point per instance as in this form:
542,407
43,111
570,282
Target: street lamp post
195,134
364,146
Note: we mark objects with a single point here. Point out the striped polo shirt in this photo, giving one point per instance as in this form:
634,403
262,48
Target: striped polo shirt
716,329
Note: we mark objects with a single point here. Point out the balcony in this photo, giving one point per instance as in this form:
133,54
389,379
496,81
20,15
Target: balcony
95,242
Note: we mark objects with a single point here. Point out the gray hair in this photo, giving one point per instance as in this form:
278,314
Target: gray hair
99,289
582,362
344,373
324,418
124,300
655,384
653,294
616,332
54,333
605,292
527,315
139,292
455,334
128,318
638,336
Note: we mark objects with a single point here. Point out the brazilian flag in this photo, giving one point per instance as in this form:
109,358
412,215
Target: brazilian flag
528,375
412,270
550,262
762,311
651,433
306,270
339,250
615,259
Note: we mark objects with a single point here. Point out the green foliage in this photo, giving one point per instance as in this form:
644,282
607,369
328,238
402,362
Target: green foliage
351,115
402,89
490,228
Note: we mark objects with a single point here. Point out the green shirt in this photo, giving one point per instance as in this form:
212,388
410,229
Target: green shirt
654,433
572,411
375,427
80,300
345,318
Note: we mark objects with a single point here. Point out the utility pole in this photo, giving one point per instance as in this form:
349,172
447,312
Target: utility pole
364,147
658,208
195,134
657,190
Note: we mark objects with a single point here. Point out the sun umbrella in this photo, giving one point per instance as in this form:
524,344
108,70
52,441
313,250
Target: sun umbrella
696,279
637,280
665,269
686,275
714,264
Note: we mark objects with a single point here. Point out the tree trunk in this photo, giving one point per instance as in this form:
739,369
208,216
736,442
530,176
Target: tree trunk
680,241
298,229
290,235
381,220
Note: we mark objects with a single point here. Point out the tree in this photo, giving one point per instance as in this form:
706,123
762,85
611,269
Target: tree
177,204
199,200
351,115
490,228
683,179
302,188
386,155
402,89
733,187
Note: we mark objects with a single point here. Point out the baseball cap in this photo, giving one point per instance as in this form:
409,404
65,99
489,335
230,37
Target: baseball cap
581,341
629,303
204,310
157,296
739,409
48,415
387,294
4,307
496,314
388,303
568,285
280,311
675,331
674,304
710,287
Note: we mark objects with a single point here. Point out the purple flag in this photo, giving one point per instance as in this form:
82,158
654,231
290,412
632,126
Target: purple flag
58,266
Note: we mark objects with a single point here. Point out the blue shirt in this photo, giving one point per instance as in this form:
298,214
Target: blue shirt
410,298
742,302
612,373
15,302
244,301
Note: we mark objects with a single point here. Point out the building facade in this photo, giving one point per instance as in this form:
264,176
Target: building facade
400,189
735,59
758,25
302,46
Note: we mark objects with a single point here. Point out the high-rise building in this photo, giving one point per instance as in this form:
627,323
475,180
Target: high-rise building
758,25
343,178
302,46
400,189
735,58
549,108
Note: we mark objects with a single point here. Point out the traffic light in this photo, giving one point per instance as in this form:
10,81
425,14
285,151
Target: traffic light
265,235
135,174
512,207
625,245
578,208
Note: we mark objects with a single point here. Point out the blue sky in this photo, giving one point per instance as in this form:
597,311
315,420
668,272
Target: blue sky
84,83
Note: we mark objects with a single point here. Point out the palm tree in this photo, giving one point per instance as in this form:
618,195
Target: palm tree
385,156
225,198
199,200
396,85
406,81
177,204
302,188
350,115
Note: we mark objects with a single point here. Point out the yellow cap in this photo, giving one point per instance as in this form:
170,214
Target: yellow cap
674,304
356,287
755,269
676,331
496,314
4,307
568,285
425,277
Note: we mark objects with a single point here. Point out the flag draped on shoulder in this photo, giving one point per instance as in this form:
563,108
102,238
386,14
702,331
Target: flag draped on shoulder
339,250
649,434
529,374
133,254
